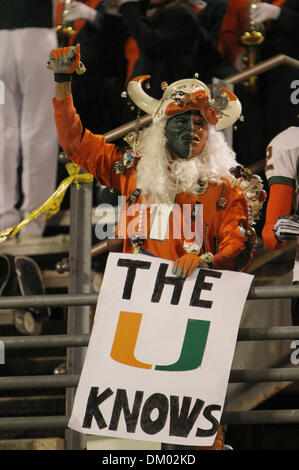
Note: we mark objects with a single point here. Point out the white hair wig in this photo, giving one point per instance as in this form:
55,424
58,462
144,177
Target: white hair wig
160,178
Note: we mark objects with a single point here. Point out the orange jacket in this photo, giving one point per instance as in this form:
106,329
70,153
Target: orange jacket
223,229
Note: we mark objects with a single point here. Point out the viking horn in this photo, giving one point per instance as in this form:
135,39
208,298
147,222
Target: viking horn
139,97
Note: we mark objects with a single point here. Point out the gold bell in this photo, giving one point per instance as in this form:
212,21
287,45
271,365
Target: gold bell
221,203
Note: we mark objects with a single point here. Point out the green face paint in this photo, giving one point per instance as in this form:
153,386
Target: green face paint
178,133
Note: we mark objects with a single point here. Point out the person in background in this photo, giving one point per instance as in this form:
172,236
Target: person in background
282,158
278,21
28,140
166,33
210,15
278,18
210,18
97,94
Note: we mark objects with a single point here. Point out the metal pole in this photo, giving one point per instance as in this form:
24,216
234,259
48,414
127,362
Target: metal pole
273,292
78,321
56,341
261,417
49,300
228,417
63,381
262,67
46,341
264,375
121,131
31,382
271,332
33,422
59,300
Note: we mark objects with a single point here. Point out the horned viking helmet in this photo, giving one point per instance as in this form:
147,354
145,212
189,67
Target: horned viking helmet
184,95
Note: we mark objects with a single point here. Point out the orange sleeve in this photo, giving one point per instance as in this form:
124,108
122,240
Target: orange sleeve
84,148
234,250
68,124
233,25
279,204
98,158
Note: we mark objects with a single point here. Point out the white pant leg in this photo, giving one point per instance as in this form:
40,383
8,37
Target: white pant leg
9,132
39,139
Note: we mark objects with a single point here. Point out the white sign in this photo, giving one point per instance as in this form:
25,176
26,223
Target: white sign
160,352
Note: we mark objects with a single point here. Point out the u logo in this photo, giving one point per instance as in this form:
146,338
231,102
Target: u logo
126,335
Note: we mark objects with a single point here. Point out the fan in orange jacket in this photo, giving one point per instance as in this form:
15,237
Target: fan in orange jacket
182,202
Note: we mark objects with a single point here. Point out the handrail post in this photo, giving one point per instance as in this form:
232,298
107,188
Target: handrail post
78,319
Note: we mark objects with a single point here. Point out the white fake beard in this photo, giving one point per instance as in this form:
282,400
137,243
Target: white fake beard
160,178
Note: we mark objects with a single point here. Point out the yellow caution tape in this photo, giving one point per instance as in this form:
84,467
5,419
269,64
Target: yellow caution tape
52,205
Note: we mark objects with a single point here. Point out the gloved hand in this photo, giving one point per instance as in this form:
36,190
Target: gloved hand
265,12
64,61
78,10
186,264
286,227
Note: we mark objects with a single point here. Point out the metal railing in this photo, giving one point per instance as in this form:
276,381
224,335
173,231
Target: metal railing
80,297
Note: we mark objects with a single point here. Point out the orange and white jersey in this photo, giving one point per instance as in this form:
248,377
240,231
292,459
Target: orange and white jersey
282,157
282,172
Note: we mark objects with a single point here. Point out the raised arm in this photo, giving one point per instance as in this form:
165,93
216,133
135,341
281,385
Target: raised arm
64,62
89,151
